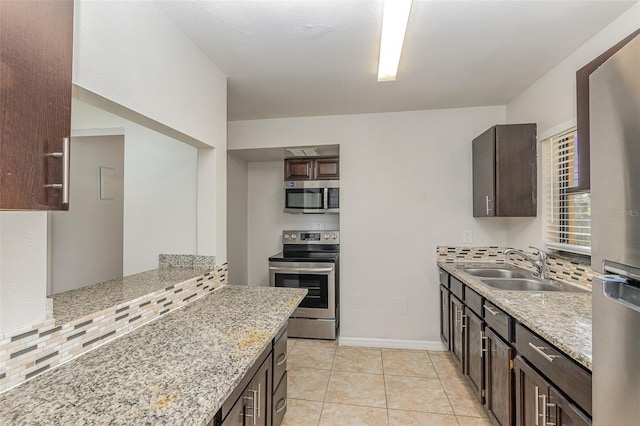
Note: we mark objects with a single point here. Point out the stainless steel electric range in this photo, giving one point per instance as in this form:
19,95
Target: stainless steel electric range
310,259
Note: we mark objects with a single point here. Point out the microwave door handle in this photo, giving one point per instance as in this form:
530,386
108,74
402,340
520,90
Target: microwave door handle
298,270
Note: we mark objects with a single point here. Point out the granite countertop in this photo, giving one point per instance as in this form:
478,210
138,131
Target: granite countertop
176,370
74,304
563,319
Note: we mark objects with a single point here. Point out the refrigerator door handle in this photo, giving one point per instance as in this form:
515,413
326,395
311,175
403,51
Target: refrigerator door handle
617,290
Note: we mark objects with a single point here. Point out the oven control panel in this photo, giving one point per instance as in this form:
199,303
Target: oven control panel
311,237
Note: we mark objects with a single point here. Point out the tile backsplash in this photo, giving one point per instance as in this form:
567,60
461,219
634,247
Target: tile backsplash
571,271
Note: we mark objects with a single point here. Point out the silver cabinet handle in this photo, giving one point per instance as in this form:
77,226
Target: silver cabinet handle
279,410
64,186
463,322
551,405
483,344
544,409
284,358
487,200
539,349
257,404
537,405
253,399
491,310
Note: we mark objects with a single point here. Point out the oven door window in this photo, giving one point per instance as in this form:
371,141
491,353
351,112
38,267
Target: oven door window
317,286
308,198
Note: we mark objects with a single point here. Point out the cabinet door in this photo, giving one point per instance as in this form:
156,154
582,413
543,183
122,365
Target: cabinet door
516,168
456,340
36,44
236,416
298,169
484,174
259,394
327,168
498,359
562,412
531,394
474,332
444,316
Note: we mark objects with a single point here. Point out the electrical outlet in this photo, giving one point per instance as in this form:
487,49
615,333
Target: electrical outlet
467,237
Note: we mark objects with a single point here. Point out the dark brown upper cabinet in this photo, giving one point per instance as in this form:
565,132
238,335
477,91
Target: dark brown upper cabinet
312,168
504,172
36,46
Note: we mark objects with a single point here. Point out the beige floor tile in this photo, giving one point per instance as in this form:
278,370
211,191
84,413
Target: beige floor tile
416,394
406,418
408,363
317,343
291,343
356,389
474,421
340,415
358,360
311,357
462,399
307,383
302,413
444,365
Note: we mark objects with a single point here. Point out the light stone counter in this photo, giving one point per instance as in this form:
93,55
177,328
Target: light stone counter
563,319
74,304
176,370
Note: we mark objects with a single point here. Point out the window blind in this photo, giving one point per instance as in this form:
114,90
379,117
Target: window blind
567,208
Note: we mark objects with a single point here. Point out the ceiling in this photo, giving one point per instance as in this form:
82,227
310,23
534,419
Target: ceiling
319,57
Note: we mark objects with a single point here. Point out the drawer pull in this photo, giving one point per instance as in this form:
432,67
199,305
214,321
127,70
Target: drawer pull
490,310
539,349
284,358
279,410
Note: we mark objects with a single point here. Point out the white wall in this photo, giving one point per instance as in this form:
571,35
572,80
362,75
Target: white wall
266,220
160,188
23,269
86,242
132,53
551,102
237,211
405,187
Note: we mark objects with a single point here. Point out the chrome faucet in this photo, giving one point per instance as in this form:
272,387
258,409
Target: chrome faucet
540,263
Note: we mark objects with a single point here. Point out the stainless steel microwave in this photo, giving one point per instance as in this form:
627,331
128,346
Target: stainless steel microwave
312,196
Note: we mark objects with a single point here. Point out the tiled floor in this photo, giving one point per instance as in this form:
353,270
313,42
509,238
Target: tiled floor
332,385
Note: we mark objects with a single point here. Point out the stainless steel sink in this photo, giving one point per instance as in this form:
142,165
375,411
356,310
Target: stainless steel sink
530,284
494,273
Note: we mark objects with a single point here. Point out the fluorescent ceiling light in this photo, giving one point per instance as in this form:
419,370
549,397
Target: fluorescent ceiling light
394,26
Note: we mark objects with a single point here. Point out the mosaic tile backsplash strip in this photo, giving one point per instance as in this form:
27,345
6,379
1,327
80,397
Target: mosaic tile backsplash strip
570,271
27,353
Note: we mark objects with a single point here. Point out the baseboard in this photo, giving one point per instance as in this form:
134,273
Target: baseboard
424,345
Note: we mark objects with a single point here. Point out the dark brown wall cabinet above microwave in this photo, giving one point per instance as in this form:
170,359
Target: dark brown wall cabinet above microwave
36,45
312,168
504,172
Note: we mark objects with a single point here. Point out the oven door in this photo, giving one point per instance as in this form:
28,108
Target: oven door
317,278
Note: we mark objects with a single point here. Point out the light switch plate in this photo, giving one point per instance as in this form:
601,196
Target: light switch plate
467,237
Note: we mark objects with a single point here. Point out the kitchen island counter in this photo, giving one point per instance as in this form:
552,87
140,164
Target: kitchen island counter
176,370
561,318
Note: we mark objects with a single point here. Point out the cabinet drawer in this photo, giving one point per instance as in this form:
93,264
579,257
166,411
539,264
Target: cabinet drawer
280,401
473,301
456,287
498,320
444,278
566,375
279,357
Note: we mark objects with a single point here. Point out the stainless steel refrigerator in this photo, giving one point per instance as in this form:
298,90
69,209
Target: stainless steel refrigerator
614,93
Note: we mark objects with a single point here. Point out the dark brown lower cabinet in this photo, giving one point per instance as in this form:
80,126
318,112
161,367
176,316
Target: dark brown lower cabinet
445,315
457,328
473,342
253,407
498,379
540,403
